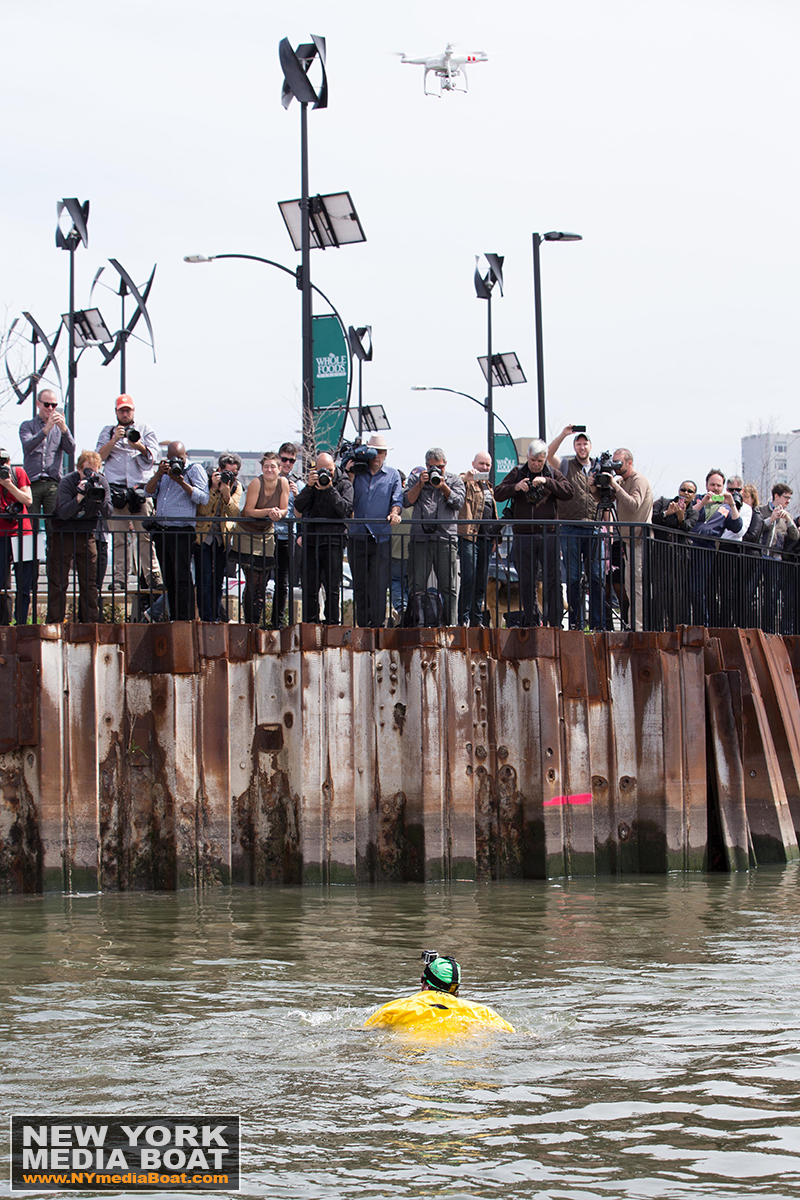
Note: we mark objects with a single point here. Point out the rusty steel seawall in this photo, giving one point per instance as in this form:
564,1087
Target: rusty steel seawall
185,755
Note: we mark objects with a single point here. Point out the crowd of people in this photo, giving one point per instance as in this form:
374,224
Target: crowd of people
419,548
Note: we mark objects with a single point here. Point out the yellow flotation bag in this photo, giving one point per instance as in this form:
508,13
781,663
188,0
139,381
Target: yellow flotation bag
433,1011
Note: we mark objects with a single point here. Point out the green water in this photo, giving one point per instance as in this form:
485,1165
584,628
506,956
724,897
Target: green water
657,1050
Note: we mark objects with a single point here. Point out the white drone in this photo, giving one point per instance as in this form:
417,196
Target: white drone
448,68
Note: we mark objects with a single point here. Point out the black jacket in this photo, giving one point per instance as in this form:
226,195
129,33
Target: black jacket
557,487
74,514
671,522
322,509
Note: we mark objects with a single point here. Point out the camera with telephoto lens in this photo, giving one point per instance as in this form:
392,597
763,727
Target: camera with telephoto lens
605,471
133,435
5,464
94,486
435,477
356,457
177,466
324,477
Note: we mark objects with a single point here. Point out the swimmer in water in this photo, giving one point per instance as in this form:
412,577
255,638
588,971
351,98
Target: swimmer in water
437,1003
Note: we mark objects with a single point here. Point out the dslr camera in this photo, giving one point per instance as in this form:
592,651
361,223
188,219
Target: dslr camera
227,477
435,477
324,477
176,466
133,434
94,486
356,457
5,464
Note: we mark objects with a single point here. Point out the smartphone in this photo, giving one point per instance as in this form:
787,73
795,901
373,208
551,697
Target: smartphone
481,476
579,429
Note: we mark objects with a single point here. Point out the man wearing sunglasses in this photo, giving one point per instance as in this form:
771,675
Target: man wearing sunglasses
45,440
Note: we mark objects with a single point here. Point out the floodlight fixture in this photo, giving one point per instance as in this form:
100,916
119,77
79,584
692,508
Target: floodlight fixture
538,238
562,237
333,221
506,369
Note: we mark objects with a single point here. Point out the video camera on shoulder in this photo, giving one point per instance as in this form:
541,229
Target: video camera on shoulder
607,468
94,486
356,457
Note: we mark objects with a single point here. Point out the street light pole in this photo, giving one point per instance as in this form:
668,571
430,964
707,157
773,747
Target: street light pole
305,282
207,258
484,404
296,84
538,238
484,285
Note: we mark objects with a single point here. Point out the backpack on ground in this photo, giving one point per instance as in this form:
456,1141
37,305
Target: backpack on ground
424,610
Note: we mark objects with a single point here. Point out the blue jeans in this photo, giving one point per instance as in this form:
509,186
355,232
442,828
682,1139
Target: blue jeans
582,552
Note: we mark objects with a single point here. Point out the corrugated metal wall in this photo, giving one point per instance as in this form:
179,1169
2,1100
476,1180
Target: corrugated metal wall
190,755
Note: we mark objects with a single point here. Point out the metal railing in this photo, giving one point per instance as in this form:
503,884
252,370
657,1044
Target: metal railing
584,575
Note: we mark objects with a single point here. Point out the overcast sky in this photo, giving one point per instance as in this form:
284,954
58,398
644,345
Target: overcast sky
663,131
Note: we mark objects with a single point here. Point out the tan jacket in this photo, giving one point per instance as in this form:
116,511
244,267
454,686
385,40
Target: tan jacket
215,508
472,508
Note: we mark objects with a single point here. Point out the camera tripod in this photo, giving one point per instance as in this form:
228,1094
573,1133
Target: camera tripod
607,561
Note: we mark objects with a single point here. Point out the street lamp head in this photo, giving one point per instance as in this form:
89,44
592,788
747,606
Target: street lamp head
196,258
557,236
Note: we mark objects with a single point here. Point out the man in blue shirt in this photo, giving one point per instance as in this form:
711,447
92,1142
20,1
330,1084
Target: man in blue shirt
377,504
179,487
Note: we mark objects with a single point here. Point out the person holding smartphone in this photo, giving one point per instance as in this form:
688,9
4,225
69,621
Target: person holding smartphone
45,440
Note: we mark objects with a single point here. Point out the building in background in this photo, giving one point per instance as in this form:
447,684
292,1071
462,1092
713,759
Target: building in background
769,458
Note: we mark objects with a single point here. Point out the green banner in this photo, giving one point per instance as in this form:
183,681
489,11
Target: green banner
331,377
505,455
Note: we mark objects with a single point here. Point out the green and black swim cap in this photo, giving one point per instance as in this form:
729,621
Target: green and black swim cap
443,974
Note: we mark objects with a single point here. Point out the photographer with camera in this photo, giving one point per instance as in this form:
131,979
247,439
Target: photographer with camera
436,496
378,501
324,504
216,518
287,563
15,500
45,440
477,539
82,500
129,451
179,488
580,545
534,491
619,482
779,538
